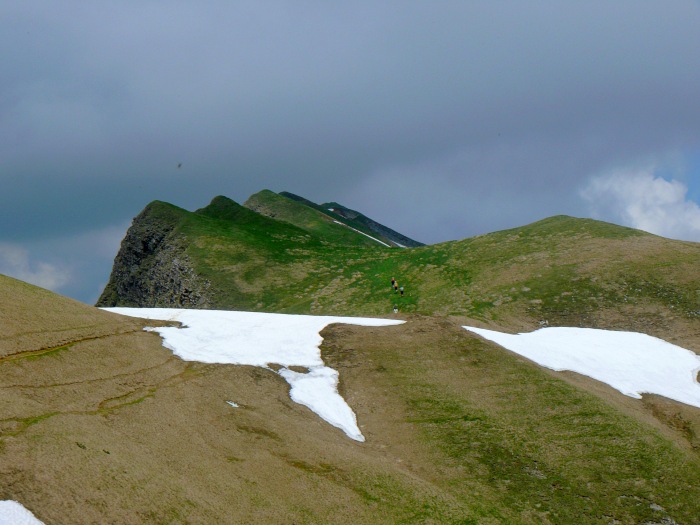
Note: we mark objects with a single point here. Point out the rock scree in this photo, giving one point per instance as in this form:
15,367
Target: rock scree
152,268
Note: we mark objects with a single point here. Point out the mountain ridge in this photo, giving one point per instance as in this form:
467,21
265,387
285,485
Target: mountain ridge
277,254
378,229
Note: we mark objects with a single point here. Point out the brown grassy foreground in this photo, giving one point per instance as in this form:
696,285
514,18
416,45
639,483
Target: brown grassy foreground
101,424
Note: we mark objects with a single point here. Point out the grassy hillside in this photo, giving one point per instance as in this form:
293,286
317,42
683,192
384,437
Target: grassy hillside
322,224
100,423
257,263
111,427
34,320
506,441
361,221
562,270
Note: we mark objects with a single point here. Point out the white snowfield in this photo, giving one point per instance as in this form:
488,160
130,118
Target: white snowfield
262,339
13,513
630,362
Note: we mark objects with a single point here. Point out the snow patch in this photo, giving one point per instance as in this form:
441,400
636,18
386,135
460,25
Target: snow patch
259,339
363,233
318,390
630,362
13,513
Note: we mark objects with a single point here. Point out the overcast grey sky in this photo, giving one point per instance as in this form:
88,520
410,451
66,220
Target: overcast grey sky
440,119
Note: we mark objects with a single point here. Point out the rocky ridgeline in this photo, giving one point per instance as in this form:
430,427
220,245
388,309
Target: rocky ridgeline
152,268
373,225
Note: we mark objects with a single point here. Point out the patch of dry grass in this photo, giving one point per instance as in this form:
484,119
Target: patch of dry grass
34,319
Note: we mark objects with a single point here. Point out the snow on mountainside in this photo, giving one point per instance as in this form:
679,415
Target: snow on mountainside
630,362
260,339
395,237
102,424
359,221
13,513
362,233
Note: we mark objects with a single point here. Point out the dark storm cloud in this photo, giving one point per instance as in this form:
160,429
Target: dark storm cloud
441,119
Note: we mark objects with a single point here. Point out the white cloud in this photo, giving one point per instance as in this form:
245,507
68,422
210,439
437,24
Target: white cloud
642,200
69,265
15,262
102,243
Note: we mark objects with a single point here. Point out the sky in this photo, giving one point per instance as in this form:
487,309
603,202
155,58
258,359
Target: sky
441,119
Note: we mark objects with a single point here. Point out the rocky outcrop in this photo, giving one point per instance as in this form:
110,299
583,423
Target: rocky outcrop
152,268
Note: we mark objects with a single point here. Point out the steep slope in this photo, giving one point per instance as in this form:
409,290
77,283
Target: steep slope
376,228
202,259
357,221
310,219
226,255
152,267
35,321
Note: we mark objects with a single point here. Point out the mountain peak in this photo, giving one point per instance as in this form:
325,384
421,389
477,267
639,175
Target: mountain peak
222,208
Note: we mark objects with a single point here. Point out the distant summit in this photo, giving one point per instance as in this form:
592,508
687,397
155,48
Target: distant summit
358,220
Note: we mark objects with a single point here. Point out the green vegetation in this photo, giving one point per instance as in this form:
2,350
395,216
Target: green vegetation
311,218
36,354
562,270
551,449
509,442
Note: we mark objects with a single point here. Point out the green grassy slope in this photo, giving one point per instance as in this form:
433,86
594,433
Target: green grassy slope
509,441
362,221
561,270
307,218
324,209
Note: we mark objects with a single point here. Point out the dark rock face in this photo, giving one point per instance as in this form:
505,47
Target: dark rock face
152,269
